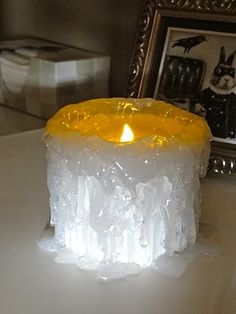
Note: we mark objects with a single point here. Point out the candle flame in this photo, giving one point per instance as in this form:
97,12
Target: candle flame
127,134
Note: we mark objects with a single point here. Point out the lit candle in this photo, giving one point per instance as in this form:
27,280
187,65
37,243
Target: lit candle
127,134
123,176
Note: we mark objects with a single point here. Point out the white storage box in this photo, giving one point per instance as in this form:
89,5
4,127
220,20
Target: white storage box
39,77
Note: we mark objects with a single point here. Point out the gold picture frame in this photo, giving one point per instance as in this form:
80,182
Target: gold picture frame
156,19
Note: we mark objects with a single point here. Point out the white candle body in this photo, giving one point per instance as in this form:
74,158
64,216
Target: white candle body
127,204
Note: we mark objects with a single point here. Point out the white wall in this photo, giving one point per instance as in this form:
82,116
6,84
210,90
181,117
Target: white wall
105,26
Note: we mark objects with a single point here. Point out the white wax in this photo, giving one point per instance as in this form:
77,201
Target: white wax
117,208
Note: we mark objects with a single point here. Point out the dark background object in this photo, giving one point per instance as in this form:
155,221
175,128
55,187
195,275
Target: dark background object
181,77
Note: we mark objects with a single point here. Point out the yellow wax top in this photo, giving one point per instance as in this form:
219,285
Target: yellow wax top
158,122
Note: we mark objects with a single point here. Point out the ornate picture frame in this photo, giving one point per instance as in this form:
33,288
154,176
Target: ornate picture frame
157,19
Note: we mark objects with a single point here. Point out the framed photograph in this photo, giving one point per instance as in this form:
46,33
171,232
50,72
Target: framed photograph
185,53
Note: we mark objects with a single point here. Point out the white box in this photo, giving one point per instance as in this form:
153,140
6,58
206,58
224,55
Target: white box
39,77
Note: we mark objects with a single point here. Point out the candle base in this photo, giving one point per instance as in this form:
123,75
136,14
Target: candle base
121,211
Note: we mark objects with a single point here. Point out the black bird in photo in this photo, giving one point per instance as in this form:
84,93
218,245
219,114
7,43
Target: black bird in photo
189,42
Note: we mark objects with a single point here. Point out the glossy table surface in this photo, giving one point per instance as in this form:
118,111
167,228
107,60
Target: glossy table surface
32,283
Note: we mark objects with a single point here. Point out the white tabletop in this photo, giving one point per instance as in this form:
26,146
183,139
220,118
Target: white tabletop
13,121
32,283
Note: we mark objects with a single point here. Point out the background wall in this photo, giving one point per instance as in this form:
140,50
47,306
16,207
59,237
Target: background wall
106,26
